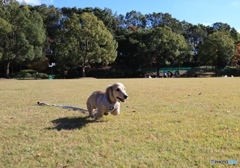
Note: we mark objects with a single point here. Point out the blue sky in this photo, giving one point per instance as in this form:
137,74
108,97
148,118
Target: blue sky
204,12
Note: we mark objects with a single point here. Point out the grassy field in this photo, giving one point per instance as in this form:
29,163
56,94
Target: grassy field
179,122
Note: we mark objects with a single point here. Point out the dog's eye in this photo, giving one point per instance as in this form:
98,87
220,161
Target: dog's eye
118,89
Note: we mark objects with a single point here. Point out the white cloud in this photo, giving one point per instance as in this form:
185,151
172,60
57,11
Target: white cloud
235,3
36,2
207,24
238,30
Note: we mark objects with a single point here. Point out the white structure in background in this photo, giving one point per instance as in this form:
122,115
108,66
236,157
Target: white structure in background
5,2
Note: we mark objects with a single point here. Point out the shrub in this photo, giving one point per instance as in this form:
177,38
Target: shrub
29,73
42,76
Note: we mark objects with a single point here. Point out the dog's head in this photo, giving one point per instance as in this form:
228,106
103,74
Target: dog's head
116,92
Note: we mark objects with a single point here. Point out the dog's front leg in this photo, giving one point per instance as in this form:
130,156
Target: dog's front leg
116,111
99,113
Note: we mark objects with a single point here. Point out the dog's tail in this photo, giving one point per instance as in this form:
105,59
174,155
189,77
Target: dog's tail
64,107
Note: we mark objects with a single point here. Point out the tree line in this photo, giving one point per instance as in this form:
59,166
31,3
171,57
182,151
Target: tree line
39,37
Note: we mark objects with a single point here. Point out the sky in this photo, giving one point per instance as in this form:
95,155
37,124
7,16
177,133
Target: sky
196,12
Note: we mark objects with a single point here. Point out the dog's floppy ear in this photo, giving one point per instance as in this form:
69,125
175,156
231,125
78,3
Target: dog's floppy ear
109,93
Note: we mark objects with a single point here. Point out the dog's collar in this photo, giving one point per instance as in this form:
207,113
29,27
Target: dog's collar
109,106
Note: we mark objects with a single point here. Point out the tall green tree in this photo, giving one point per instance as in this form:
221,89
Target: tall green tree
195,35
217,50
224,27
108,17
52,22
23,41
133,48
136,19
164,19
167,47
86,41
5,27
51,18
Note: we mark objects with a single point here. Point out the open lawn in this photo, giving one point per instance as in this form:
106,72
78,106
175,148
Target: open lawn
178,122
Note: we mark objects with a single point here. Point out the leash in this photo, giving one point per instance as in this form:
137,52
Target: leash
64,107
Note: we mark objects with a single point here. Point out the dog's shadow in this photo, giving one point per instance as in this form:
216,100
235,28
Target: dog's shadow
71,123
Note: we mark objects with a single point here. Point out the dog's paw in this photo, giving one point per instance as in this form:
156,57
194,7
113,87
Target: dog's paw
106,113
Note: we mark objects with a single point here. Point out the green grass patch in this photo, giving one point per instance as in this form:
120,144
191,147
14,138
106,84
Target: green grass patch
177,122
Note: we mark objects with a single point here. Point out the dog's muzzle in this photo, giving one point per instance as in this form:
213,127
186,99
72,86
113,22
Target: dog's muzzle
123,99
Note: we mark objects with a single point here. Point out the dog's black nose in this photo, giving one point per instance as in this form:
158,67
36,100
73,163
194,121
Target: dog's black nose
125,96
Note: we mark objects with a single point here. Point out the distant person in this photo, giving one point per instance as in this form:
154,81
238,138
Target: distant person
176,73
164,73
169,74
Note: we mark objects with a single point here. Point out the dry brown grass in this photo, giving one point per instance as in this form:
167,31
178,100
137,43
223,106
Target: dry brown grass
165,123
